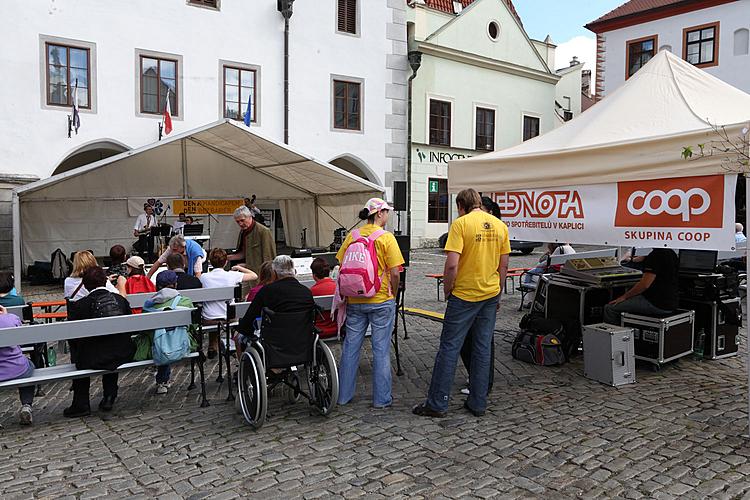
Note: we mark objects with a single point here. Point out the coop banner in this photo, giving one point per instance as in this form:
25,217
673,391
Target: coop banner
686,212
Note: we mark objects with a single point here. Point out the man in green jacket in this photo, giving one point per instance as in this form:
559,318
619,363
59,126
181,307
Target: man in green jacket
255,244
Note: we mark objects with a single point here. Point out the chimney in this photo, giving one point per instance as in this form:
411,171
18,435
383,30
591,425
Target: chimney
575,61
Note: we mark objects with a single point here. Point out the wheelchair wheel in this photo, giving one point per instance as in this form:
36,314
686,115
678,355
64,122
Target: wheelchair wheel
252,388
323,379
293,393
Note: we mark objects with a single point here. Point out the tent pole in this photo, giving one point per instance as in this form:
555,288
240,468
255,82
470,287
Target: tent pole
317,222
16,240
183,147
747,299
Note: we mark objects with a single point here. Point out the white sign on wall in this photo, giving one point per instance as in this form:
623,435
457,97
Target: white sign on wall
687,212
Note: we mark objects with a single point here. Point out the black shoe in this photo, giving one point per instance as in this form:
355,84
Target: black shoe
476,413
74,412
425,411
107,403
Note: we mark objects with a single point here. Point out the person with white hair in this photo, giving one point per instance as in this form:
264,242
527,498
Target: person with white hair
739,234
193,252
255,243
284,295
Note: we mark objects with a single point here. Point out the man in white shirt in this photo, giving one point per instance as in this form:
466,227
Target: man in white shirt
214,311
145,221
739,235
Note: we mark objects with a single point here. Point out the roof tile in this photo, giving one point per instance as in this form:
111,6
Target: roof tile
447,6
634,7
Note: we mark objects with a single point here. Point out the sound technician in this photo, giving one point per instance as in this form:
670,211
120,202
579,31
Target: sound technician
654,294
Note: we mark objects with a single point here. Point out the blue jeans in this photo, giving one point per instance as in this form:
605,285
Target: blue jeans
634,305
27,393
380,318
460,316
163,373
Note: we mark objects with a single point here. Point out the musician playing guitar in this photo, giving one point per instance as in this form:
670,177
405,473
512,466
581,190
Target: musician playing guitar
142,229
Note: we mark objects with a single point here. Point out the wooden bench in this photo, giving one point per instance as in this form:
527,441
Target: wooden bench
68,330
512,274
439,278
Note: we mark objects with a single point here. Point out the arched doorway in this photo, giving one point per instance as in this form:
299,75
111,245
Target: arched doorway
355,166
90,153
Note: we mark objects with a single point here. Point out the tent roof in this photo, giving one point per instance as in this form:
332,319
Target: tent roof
222,143
637,132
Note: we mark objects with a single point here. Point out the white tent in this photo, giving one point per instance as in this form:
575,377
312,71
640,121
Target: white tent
635,133
94,206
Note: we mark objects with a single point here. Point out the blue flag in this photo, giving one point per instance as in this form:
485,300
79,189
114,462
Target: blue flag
248,117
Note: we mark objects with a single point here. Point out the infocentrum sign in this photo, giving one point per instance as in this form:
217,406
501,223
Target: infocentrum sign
437,156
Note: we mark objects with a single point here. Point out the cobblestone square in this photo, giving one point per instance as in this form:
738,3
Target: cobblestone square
548,432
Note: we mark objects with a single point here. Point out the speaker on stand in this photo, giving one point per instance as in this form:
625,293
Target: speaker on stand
404,244
399,201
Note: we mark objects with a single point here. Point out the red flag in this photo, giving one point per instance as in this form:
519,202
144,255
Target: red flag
167,117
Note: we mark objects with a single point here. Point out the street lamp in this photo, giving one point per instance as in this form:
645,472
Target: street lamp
285,7
415,61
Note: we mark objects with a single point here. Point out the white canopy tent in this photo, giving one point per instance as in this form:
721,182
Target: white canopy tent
92,207
635,134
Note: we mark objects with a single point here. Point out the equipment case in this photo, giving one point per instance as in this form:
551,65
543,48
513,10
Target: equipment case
608,354
583,303
721,333
659,340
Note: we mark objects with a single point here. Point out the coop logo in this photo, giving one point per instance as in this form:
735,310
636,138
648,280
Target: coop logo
681,202
540,205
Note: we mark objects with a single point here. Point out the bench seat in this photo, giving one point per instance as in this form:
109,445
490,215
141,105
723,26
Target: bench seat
68,372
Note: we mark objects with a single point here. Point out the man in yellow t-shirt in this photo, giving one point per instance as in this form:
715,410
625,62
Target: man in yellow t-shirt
378,312
477,255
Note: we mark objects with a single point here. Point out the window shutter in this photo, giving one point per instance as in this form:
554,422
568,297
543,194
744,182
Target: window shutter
347,16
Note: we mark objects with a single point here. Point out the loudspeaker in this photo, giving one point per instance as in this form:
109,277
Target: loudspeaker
399,195
404,244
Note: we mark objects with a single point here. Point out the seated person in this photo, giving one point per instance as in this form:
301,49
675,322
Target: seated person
655,293
136,282
285,294
739,236
176,263
117,267
265,276
106,352
214,311
74,288
7,297
323,286
166,283
532,276
14,365
632,260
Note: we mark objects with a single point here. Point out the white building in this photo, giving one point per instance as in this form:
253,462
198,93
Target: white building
347,80
712,34
482,85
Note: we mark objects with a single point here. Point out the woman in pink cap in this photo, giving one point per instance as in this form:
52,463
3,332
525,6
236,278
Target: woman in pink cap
377,311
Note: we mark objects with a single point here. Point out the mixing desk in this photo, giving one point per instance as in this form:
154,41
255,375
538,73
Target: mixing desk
599,270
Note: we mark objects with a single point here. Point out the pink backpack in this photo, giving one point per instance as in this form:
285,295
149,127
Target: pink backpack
358,275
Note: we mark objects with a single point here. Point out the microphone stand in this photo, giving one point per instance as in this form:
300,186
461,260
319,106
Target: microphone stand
210,216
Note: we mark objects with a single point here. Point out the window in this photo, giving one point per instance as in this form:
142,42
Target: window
346,105
485,136
205,3
239,86
530,127
493,30
347,16
741,41
66,66
701,45
639,52
440,123
437,200
157,76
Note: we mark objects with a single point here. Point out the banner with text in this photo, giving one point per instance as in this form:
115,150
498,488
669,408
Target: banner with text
214,207
685,212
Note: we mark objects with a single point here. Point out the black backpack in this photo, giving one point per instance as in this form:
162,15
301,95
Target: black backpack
567,332
540,342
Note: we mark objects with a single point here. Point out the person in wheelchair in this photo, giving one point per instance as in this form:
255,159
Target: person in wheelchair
287,339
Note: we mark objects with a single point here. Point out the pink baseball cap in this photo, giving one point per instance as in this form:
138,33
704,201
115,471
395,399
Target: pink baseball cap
375,205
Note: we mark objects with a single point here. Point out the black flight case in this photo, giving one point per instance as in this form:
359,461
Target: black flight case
719,322
659,340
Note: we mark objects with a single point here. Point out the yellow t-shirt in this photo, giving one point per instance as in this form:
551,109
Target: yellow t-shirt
389,256
481,239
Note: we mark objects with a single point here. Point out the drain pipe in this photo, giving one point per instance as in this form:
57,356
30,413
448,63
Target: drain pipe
415,61
285,7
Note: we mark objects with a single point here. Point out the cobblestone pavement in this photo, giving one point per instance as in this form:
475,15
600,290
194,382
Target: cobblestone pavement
548,432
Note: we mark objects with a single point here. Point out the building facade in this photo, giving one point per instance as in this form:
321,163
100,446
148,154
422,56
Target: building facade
482,85
347,80
712,34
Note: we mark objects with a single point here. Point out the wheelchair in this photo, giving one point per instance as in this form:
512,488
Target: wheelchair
285,342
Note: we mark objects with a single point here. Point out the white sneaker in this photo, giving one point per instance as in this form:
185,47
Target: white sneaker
465,391
162,388
24,416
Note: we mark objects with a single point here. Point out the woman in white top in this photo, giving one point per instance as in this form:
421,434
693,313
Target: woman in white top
82,262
